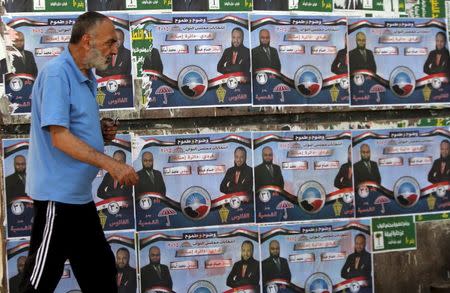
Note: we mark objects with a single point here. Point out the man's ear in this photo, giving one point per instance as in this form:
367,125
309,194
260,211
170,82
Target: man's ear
86,41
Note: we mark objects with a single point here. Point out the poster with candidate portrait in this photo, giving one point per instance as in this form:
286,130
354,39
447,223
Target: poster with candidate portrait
124,248
109,5
193,180
302,175
398,61
19,206
17,252
320,257
286,5
299,60
401,171
211,5
14,6
200,260
114,201
192,60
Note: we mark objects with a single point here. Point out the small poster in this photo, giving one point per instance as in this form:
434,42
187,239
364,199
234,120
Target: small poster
394,233
19,206
109,5
432,217
193,180
211,5
401,171
293,5
303,175
201,260
13,6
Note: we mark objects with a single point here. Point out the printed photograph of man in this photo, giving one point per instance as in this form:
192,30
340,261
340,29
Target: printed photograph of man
245,271
344,177
239,177
126,275
440,171
275,266
360,57
237,57
280,5
15,183
110,187
438,59
23,60
155,274
14,282
365,169
340,63
150,180
265,56
105,5
121,62
358,264
268,173
18,5
190,5
153,61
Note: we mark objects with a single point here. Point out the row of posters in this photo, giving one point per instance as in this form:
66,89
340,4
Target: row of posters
230,178
216,60
321,257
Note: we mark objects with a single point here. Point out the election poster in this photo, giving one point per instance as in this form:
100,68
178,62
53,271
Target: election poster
394,233
302,175
425,8
293,5
14,6
19,206
211,5
110,5
362,7
401,171
202,260
114,201
299,60
124,248
35,40
192,60
319,257
193,180
17,252
398,61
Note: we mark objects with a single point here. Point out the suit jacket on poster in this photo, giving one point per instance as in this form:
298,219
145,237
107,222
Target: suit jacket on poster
153,61
435,175
342,180
244,183
19,5
122,64
151,278
190,5
271,271
128,283
339,65
261,59
251,275
14,283
361,173
241,64
105,5
110,188
145,183
281,5
263,176
357,61
430,66
364,266
27,66
14,186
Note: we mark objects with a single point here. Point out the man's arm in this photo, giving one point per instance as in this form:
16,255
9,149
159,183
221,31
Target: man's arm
68,143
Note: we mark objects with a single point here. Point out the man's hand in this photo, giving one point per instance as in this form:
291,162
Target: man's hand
109,129
123,173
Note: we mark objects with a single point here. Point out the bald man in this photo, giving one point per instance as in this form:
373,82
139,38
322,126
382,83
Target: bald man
275,267
267,173
360,57
150,180
265,56
23,61
365,169
15,183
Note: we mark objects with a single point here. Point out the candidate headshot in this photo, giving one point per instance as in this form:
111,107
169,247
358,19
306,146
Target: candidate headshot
190,5
237,57
239,177
120,62
366,170
265,56
358,264
245,272
344,176
105,5
438,59
440,170
109,187
268,173
23,60
340,62
275,266
14,282
15,183
279,5
360,57
126,275
150,180
155,274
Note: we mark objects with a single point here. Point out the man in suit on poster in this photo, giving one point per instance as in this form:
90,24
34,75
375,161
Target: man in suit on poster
110,187
155,274
246,271
15,183
440,171
360,57
264,55
190,5
365,169
358,264
340,63
275,266
126,275
14,282
150,180
268,173
237,57
280,5
153,61
438,60
344,177
240,176
121,62
105,5
18,5
23,60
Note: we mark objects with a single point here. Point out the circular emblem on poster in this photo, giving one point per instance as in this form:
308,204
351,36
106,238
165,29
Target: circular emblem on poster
202,286
355,287
358,79
441,191
363,191
16,84
347,197
113,208
406,191
344,84
261,78
235,202
145,202
402,81
272,288
318,283
195,203
232,83
436,83
112,86
308,81
311,197
17,207
265,195
192,82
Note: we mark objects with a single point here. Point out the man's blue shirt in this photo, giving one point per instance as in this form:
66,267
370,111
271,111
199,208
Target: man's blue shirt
62,96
